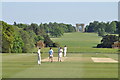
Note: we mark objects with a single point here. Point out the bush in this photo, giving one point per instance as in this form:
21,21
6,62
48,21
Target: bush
56,44
107,41
99,46
48,42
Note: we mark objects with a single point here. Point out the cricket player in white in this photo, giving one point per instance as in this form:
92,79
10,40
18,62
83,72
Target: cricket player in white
65,50
60,54
39,56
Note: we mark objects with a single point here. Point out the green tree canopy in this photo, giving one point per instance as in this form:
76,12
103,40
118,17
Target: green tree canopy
7,37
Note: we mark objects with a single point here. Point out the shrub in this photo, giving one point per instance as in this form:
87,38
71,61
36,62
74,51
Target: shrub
56,44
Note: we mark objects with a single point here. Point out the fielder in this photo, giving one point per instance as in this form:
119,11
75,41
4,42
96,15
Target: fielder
65,50
60,54
51,55
39,56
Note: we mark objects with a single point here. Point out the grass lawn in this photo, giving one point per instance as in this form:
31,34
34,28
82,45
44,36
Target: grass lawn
78,64
75,66
81,42
0,66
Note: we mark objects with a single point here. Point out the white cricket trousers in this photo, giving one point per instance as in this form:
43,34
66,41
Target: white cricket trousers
64,53
39,59
60,57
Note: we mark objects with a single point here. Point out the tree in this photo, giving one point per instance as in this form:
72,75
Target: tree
90,28
102,27
107,27
48,42
7,37
101,32
96,25
70,28
28,45
17,44
34,27
41,30
107,41
119,30
20,25
15,24
38,38
117,27
111,28
0,36
56,44
57,32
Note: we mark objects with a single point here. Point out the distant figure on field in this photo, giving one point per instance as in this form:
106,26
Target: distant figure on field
51,55
58,49
39,56
65,50
60,54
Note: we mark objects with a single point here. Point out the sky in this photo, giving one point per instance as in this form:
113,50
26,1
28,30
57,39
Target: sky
59,0
119,11
61,12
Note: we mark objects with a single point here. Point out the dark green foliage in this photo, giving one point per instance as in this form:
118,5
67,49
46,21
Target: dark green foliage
57,29
90,27
107,41
0,37
111,28
118,26
17,44
20,37
41,30
118,29
70,28
54,29
101,32
34,27
101,27
38,38
48,42
28,41
36,33
57,32
21,25
56,44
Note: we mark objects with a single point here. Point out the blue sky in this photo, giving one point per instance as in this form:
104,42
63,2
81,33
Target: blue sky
61,12
59,0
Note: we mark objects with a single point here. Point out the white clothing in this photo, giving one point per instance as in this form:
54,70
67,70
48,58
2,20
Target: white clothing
60,55
51,50
60,52
65,50
39,52
39,57
39,60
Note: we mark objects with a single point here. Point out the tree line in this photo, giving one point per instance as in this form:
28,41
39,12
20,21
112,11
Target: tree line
53,29
21,38
103,28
